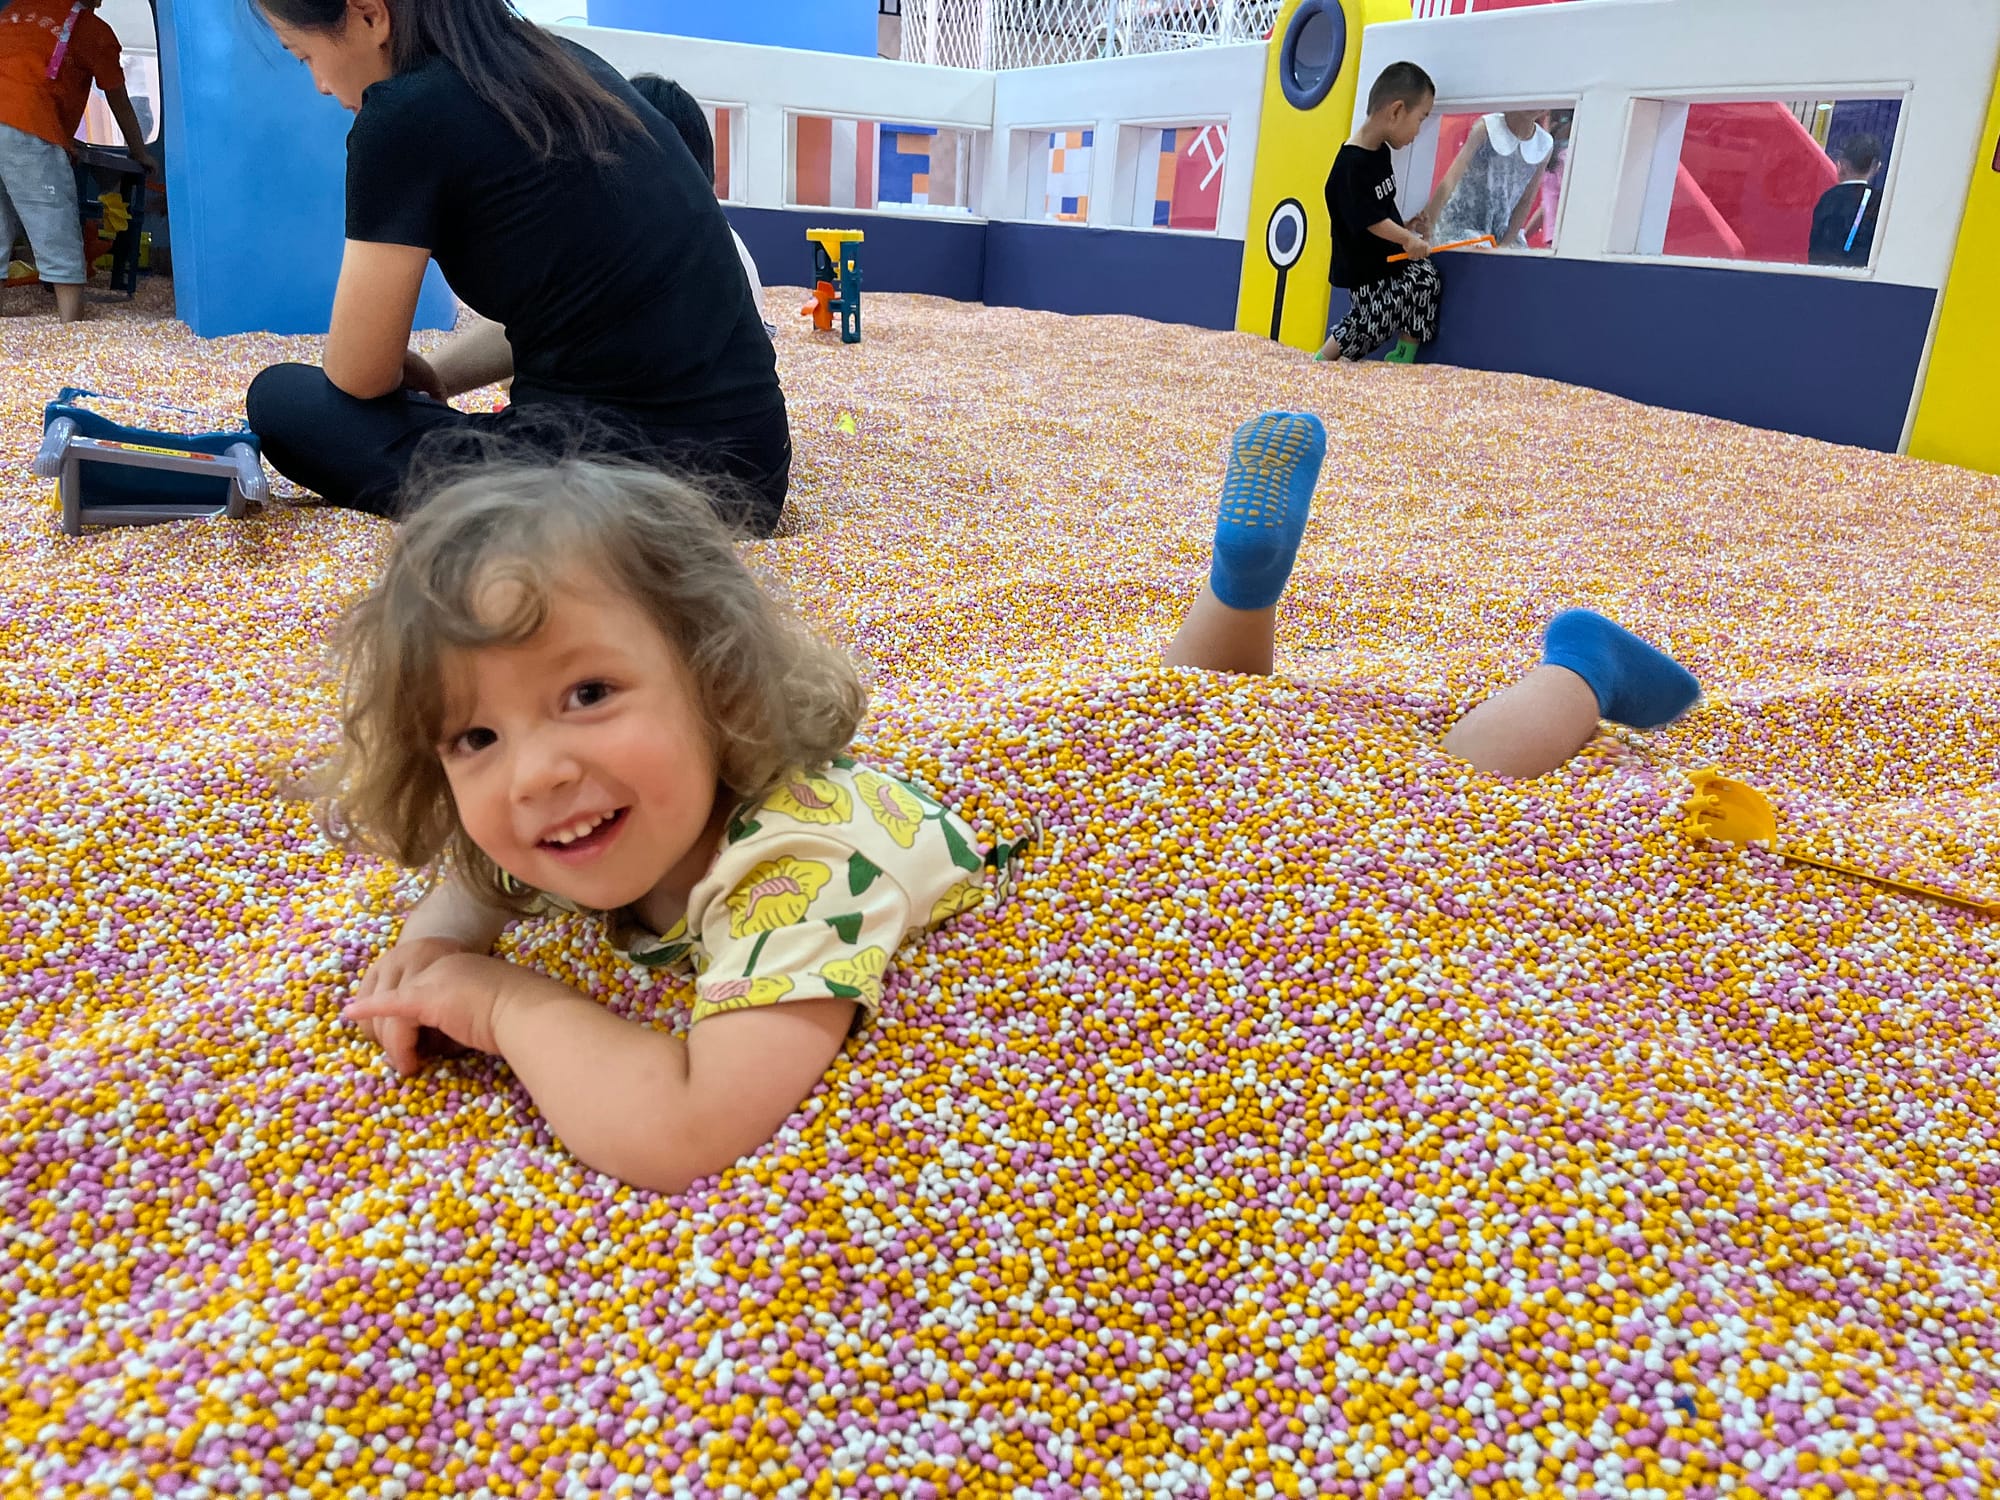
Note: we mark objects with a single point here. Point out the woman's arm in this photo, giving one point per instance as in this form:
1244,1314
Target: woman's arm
480,355
374,308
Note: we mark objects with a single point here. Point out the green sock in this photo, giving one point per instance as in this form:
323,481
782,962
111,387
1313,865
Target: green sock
1405,353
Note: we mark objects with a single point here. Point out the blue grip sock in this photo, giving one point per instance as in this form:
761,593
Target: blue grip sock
1636,684
1273,465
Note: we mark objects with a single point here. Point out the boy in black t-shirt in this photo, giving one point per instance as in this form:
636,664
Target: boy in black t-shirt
1400,297
1843,221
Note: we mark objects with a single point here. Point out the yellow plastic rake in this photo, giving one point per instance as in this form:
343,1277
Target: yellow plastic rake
1734,812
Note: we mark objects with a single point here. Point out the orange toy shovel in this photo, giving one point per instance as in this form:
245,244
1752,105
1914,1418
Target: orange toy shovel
1734,812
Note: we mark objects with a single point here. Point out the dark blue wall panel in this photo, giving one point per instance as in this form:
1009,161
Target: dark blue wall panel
1818,355
1176,278
944,257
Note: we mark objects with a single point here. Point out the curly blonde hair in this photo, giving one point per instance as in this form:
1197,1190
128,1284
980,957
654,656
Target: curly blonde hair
774,695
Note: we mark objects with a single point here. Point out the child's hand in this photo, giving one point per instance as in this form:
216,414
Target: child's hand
1420,223
456,994
395,1036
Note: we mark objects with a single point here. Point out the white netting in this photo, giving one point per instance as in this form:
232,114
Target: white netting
1032,33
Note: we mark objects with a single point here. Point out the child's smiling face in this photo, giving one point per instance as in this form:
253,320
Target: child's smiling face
580,760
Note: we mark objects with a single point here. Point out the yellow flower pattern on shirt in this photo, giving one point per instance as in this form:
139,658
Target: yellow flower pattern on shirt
745,994
816,886
775,894
862,974
961,897
892,805
811,799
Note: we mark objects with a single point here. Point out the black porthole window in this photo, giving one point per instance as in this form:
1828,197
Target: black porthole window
1315,45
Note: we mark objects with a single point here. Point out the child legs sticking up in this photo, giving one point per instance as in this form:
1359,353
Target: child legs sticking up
1591,669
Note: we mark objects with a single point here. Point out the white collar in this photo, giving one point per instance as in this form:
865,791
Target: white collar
1534,150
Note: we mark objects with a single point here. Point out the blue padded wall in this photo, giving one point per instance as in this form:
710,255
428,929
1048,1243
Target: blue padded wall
1176,278
1822,356
1050,267
256,174
944,257
845,26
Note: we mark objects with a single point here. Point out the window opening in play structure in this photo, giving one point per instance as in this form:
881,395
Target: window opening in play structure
1499,172
139,56
1311,52
725,125
1178,182
142,82
840,162
1065,157
1784,181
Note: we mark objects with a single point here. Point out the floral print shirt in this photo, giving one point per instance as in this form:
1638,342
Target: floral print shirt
814,888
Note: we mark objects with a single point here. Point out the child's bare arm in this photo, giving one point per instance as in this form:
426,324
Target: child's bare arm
1413,245
648,1108
120,103
1531,198
634,1103
1454,174
449,910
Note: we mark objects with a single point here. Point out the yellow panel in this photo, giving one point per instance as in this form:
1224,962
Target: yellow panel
1295,151
1955,416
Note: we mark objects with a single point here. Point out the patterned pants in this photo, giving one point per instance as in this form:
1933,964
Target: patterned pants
1404,302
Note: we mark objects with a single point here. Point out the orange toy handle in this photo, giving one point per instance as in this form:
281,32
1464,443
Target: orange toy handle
1477,239
1907,887
819,309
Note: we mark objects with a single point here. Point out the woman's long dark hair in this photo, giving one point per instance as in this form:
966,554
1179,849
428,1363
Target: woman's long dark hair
540,90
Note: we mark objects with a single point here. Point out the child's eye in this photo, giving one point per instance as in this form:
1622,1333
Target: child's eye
589,694
469,741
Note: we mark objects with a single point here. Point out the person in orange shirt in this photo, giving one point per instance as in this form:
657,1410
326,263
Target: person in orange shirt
51,51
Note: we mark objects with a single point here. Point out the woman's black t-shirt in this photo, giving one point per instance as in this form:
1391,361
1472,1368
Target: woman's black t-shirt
618,283
1360,191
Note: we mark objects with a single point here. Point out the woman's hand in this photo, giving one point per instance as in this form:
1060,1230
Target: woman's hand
419,375
457,993
399,1038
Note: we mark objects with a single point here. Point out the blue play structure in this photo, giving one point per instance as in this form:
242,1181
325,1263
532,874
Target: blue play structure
111,474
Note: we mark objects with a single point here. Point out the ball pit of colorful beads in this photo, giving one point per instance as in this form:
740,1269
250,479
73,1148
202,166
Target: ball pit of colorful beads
1317,1115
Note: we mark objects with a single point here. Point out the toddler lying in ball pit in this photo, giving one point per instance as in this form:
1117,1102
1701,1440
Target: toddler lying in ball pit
568,689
